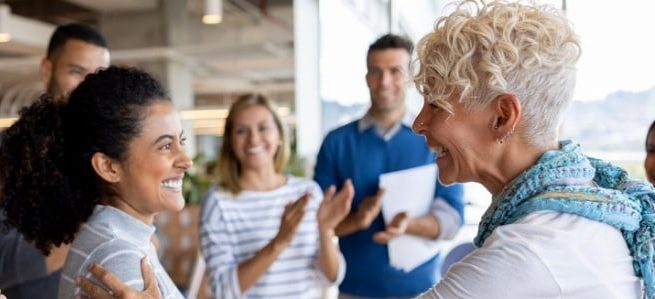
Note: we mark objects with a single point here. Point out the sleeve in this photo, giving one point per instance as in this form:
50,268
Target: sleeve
119,257
493,271
20,261
448,209
340,274
325,171
217,249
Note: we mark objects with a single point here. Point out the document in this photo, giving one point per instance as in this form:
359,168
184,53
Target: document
412,191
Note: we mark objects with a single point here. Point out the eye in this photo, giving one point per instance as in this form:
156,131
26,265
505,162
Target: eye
374,72
263,128
183,141
166,147
241,131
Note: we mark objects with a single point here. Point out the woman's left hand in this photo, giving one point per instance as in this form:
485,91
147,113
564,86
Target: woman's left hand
335,206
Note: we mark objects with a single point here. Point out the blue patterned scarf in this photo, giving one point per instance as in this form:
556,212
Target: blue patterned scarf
567,181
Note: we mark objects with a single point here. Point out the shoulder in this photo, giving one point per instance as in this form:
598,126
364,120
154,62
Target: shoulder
342,131
503,259
213,200
304,185
119,256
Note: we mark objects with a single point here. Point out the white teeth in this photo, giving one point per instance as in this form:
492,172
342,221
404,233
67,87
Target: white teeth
254,150
439,150
172,184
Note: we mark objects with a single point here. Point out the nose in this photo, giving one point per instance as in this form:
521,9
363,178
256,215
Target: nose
385,79
183,161
419,123
253,135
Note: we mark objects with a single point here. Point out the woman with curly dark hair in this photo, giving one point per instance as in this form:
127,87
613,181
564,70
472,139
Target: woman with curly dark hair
96,170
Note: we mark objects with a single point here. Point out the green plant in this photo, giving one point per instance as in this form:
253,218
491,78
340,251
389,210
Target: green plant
196,180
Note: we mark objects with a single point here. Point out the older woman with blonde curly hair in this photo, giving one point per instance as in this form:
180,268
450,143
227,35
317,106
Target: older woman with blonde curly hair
497,78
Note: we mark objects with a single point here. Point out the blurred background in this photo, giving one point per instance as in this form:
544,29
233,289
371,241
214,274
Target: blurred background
309,56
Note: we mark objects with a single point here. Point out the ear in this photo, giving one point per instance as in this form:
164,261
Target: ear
46,71
506,116
107,168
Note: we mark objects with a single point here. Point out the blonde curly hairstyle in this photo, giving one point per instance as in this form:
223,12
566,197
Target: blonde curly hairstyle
483,50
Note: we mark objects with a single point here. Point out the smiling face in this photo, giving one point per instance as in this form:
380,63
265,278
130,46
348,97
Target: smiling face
255,138
649,163
151,176
461,140
386,78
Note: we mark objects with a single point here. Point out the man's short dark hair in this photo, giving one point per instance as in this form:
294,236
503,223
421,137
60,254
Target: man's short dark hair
76,31
391,41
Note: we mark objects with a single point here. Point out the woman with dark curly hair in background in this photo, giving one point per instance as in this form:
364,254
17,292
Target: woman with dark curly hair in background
96,170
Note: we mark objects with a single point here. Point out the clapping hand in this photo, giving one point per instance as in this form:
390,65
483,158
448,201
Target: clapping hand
335,206
291,219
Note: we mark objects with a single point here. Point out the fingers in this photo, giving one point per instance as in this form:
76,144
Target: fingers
329,193
380,193
149,281
347,192
108,279
398,220
92,289
297,209
383,237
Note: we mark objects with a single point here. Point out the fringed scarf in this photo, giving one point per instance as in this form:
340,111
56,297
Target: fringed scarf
567,181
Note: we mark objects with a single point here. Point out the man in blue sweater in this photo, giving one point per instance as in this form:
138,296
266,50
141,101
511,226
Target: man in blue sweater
380,142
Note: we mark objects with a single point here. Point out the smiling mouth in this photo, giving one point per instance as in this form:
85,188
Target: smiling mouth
254,150
174,184
439,150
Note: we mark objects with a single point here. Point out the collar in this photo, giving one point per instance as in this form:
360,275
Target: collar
124,226
368,121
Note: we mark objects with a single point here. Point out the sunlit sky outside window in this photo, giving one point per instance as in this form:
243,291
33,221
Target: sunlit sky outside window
617,44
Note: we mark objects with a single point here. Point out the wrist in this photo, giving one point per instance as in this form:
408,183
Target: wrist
326,232
278,244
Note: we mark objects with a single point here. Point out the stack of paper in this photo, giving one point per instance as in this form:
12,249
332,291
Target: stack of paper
411,191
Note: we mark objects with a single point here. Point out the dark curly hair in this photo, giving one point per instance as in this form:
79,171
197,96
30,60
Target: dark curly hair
48,186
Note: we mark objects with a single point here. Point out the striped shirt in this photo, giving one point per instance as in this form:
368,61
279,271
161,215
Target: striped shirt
235,228
118,242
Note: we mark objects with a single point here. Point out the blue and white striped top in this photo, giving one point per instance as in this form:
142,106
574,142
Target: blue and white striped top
117,241
234,228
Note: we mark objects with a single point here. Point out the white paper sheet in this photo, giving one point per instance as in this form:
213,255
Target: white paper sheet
411,191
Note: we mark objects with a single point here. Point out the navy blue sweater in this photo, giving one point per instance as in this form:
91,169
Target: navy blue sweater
362,157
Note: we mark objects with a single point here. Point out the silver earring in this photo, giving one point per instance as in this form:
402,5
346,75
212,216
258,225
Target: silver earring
504,138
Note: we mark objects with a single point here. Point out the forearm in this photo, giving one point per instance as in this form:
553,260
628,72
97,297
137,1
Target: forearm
328,256
348,226
425,226
254,268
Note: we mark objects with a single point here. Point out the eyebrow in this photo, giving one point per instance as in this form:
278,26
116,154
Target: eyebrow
78,67
162,137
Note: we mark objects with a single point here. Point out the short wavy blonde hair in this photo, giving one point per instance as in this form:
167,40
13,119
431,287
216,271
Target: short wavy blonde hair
229,169
483,50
